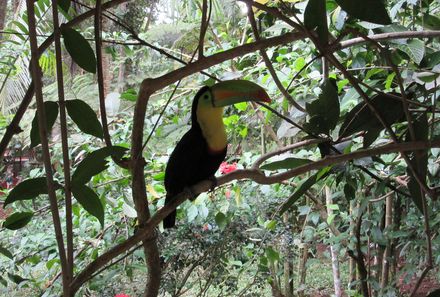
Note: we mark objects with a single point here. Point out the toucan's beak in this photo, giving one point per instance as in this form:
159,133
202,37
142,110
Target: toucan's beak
234,91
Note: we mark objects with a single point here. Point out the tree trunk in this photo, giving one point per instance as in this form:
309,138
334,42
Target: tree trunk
387,253
352,262
287,261
302,269
333,250
3,8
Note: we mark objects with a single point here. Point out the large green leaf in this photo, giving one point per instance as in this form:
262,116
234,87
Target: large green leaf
221,220
272,255
315,16
18,220
28,189
51,111
302,189
414,48
84,117
372,11
16,278
419,160
89,200
6,252
429,21
324,111
431,60
79,49
287,163
96,162
361,118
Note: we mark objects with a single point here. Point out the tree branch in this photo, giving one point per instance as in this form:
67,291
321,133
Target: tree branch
251,174
37,78
64,141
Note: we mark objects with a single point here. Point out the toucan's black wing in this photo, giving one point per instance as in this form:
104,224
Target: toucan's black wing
189,163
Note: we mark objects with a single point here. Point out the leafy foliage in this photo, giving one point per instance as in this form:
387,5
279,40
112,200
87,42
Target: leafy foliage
240,238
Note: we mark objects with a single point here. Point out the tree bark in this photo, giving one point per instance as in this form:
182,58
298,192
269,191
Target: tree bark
287,261
387,253
3,8
302,269
333,250
352,262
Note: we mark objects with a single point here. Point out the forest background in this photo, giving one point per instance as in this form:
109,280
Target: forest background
330,189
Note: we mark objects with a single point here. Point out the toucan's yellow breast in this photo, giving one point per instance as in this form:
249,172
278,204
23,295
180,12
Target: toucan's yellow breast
210,120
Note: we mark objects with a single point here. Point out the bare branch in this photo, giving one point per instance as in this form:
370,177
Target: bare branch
37,78
268,63
64,141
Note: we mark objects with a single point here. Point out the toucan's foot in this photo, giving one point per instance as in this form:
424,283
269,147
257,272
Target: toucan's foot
190,193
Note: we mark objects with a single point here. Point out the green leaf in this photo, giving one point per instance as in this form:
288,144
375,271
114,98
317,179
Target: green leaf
6,252
18,220
96,162
427,77
89,201
414,48
431,60
361,118
272,255
324,111
64,5
301,190
330,218
349,191
287,163
389,80
315,16
270,225
419,160
221,220
28,189
160,176
242,106
430,22
130,95
79,49
16,278
84,117
372,11
3,282
51,111
191,213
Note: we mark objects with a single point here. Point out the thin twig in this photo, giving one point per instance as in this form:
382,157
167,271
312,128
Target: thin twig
268,63
100,74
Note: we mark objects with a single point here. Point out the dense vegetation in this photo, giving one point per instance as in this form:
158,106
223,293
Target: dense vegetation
330,188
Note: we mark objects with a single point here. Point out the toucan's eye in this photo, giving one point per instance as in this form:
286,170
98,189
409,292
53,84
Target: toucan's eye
206,97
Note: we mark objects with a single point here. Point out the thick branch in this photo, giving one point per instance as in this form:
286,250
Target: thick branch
251,174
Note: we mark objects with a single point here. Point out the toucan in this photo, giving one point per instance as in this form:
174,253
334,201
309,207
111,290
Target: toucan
199,153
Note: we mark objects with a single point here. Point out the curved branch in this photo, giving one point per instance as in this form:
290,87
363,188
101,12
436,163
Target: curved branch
252,174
